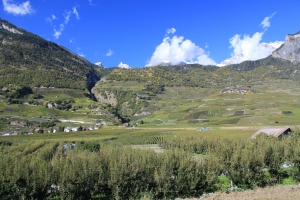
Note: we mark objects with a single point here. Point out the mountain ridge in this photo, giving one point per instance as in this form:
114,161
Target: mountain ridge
28,59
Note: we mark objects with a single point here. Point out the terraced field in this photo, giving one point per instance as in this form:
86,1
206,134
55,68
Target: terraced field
272,104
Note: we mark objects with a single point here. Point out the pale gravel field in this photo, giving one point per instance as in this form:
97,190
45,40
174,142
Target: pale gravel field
286,192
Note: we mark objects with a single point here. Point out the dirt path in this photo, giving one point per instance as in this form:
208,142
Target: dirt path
285,192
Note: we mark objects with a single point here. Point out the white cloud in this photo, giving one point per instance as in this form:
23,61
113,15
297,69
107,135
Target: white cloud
171,31
250,47
17,9
58,32
109,53
72,40
67,15
91,3
99,64
81,55
176,50
266,22
123,65
50,19
75,12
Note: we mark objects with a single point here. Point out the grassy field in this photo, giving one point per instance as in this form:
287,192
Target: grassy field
138,136
271,104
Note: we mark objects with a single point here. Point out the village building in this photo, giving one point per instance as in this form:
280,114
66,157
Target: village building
39,129
68,129
97,127
75,129
277,132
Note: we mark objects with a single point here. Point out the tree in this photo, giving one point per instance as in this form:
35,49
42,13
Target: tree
61,128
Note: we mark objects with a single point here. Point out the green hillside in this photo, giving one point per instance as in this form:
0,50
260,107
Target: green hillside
37,74
139,90
27,59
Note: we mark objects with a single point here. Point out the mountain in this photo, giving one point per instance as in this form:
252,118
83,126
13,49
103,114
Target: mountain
290,50
27,59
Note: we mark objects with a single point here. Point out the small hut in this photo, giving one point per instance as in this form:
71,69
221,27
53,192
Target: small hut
278,132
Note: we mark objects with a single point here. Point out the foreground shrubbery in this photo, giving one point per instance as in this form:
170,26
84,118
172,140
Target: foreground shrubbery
32,171
249,163
40,170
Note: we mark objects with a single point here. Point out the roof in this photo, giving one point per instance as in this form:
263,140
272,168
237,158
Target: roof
272,131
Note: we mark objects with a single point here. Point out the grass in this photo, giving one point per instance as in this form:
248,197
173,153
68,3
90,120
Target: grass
136,136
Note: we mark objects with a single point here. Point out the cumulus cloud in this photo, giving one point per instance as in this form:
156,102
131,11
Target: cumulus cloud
123,65
248,47
67,15
178,50
17,9
109,53
266,22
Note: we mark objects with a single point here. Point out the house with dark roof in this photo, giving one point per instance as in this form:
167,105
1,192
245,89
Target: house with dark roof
278,132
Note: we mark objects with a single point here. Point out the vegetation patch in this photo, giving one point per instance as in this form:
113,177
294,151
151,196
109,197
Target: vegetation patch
286,112
238,113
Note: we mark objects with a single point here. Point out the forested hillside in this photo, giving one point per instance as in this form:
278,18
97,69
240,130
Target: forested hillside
195,75
30,60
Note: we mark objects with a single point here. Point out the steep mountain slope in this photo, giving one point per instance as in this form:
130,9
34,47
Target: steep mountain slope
27,59
290,50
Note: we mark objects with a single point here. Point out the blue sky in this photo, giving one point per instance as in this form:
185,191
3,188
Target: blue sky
148,32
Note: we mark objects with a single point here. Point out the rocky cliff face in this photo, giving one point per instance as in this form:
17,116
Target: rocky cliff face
106,97
290,50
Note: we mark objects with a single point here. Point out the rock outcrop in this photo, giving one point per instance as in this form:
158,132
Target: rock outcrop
106,97
290,50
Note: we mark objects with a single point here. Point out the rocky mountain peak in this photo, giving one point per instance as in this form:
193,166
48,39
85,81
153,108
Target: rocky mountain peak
290,50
